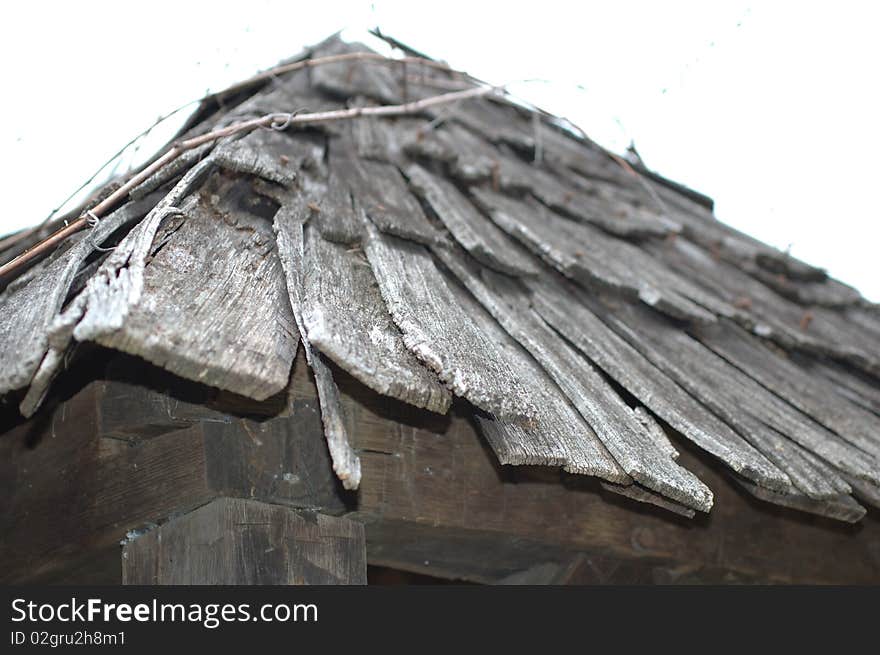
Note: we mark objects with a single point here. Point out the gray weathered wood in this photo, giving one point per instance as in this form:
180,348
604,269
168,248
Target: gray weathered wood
518,445
172,169
842,508
422,140
867,493
611,200
557,435
110,291
474,231
855,388
439,332
30,304
289,221
562,149
629,442
231,541
828,292
809,475
584,253
474,160
730,244
431,490
618,219
331,208
758,308
346,319
349,79
210,305
375,137
498,122
565,309
640,494
382,192
866,315
270,154
771,415
808,393
738,399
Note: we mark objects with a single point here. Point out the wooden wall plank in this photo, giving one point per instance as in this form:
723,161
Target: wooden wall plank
231,541
439,474
67,492
69,499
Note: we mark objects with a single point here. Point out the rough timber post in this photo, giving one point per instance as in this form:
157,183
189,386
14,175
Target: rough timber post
242,542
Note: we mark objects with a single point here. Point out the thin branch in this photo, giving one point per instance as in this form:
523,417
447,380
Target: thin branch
274,121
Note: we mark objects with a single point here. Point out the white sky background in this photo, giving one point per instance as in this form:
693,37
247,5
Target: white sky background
770,108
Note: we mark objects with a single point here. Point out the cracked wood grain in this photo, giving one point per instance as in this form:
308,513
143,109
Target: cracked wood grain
795,419
585,254
384,195
288,225
738,399
565,309
111,291
808,393
346,319
30,304
211,305
557,435
439,332
474,231
270,155
632,445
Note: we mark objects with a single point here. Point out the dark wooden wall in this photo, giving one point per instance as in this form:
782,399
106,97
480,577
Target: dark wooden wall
233,541
139,447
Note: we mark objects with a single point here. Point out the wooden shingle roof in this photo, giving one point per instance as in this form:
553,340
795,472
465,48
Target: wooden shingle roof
583,308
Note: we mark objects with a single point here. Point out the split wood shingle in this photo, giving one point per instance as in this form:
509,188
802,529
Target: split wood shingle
582,308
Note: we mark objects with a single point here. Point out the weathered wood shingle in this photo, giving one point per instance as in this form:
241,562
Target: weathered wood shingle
583,308
474,231
439,332
346,319
211,305
288,223
626,438
30,304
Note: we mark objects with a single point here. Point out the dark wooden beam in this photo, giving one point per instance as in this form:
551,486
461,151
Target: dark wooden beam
233,541
119,456
76,480
437,473
68,492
